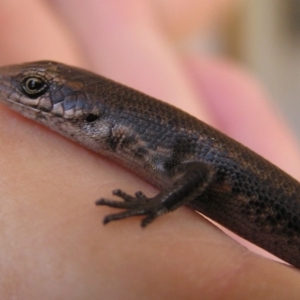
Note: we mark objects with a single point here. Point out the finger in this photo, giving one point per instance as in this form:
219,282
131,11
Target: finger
30,31
183,19
123,42
52,234
243,110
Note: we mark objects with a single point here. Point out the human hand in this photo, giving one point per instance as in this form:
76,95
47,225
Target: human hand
53,243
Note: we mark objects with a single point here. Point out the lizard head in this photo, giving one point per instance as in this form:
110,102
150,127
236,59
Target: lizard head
64,98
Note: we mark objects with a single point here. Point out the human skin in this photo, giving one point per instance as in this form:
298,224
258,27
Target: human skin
53,243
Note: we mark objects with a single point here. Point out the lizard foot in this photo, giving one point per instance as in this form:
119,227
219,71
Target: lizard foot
137,205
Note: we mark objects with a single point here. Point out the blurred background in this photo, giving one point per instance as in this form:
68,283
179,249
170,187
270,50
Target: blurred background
265,36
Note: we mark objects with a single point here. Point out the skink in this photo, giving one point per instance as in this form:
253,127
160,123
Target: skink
191,163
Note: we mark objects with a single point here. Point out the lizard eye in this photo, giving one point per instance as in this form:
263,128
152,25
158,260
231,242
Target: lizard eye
34,86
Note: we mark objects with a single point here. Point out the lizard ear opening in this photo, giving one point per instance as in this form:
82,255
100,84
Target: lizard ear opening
91,118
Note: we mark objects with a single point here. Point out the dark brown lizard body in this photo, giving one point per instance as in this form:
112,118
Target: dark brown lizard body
192,163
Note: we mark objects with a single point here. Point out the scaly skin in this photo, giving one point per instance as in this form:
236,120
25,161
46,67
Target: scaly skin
192,163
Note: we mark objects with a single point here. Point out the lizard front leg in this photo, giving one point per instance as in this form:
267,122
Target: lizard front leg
189,180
